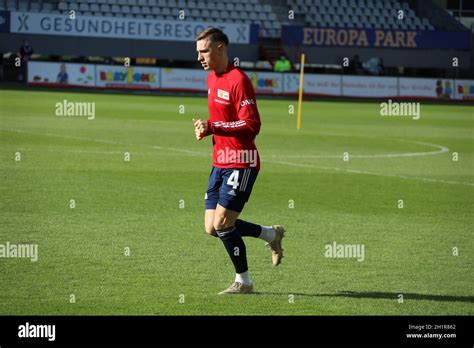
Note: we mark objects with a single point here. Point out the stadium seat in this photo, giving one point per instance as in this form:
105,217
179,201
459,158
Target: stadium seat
34,7
11,5
23,6
340,10
47,7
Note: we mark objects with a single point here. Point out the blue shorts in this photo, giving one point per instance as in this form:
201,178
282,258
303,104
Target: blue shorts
230,187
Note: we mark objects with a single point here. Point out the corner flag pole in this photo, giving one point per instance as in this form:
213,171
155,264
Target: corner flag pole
300,97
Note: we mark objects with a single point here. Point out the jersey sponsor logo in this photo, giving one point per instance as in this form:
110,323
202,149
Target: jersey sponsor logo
223,94
231,193
221,101
247,102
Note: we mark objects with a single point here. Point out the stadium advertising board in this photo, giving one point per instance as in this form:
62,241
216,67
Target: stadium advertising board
266,82
369,86
124,28
193,80
464,89
118,76
374,38
189,79
61,74
431,88
313,84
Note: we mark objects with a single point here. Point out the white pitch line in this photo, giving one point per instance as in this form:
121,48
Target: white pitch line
442,149
353,171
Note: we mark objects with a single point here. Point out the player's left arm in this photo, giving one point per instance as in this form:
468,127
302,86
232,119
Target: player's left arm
248,124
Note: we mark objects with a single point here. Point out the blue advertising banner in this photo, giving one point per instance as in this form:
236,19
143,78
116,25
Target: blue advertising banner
123,28
374,38
4,22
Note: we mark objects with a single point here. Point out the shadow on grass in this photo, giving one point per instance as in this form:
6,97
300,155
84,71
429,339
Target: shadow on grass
381,295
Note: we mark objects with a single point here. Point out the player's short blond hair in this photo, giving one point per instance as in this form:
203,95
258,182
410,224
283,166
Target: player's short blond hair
214,35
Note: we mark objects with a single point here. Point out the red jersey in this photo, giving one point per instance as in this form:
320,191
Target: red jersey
234,120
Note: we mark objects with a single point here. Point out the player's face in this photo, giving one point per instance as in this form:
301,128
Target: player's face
209,54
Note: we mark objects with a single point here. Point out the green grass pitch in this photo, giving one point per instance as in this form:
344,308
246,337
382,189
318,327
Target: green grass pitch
153,205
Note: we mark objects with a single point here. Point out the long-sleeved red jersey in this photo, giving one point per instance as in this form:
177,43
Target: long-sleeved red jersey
234,119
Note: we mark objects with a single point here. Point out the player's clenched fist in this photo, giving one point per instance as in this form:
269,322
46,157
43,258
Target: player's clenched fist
200,128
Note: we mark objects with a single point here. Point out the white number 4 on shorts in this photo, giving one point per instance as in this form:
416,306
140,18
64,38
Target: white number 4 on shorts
233,179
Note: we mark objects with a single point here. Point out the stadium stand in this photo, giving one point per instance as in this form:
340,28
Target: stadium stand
270,15
325,13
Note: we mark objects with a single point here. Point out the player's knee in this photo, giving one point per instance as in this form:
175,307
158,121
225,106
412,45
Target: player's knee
210,230
221,223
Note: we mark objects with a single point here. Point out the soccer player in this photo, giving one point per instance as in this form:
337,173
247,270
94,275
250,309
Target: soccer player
234,123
